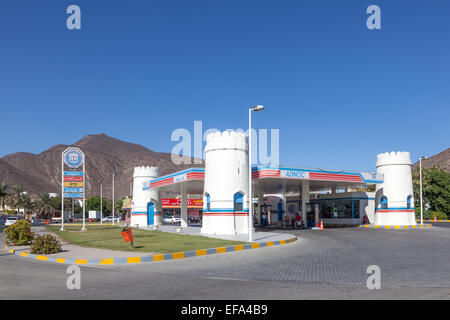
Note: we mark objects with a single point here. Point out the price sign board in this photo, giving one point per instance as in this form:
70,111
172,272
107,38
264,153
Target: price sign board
72,178
73,184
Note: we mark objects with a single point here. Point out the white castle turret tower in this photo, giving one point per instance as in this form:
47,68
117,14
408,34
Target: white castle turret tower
395,197
225,201
146,206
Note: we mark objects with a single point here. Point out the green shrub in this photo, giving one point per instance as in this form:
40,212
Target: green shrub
45,244
19,233
429,215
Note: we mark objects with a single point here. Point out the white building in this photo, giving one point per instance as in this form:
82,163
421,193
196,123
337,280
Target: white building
280,191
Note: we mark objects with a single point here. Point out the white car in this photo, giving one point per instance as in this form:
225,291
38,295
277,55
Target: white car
11,220
110,219
172,219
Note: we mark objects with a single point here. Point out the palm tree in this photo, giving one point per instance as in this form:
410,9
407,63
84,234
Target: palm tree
3,194
27,204
17,191
45,205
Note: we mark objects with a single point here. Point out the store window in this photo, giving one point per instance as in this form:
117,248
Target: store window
384,202
338,208
238,202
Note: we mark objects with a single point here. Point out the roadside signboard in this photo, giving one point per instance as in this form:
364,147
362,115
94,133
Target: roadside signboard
73,184
74,173
72,178
73,195
73,190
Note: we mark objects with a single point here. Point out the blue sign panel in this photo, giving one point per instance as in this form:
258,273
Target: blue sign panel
73,173
73,158
73,190
73,195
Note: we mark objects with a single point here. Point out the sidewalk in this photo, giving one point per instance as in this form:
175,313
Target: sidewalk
258,236
73,254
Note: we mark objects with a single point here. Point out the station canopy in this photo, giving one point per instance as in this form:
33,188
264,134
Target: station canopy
268,180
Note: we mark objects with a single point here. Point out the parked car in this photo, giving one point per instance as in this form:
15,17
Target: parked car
110,219
172,219
9,221
194,219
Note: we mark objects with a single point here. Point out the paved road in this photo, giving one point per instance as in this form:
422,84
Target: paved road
439,224
328,264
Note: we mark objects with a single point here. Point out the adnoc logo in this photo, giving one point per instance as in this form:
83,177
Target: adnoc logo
294,174
73,158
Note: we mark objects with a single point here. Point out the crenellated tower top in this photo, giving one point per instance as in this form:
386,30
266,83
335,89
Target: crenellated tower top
226,140
393,158
146,172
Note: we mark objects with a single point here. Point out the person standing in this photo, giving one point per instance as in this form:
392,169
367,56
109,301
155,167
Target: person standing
280,212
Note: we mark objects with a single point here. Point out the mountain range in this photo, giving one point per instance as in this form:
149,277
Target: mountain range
39,173
440,160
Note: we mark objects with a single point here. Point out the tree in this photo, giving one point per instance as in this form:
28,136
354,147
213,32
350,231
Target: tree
436,190
118,206
16,197
27,204
3,194
93,203
45,205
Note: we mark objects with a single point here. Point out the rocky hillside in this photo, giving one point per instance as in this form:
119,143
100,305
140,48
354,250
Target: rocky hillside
440,160
104,155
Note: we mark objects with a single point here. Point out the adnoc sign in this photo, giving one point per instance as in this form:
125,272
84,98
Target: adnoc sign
73,177
73,157
294,174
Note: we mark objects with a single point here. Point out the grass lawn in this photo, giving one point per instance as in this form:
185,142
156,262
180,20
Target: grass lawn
144,241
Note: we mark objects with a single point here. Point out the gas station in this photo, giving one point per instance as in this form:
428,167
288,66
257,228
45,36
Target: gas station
315,194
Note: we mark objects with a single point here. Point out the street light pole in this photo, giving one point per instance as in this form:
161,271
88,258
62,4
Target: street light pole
101,202
113,206
250,202
421,196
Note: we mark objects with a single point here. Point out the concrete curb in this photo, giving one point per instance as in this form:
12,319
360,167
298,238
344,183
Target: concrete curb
86,224
333,225
396,227
153,258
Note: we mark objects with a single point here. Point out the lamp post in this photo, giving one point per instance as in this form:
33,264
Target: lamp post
421,196
113,206
101,202
250,202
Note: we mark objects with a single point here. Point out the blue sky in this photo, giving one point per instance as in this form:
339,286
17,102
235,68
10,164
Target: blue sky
339,92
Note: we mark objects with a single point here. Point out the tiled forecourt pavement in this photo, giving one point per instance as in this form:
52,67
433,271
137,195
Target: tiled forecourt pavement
337,257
